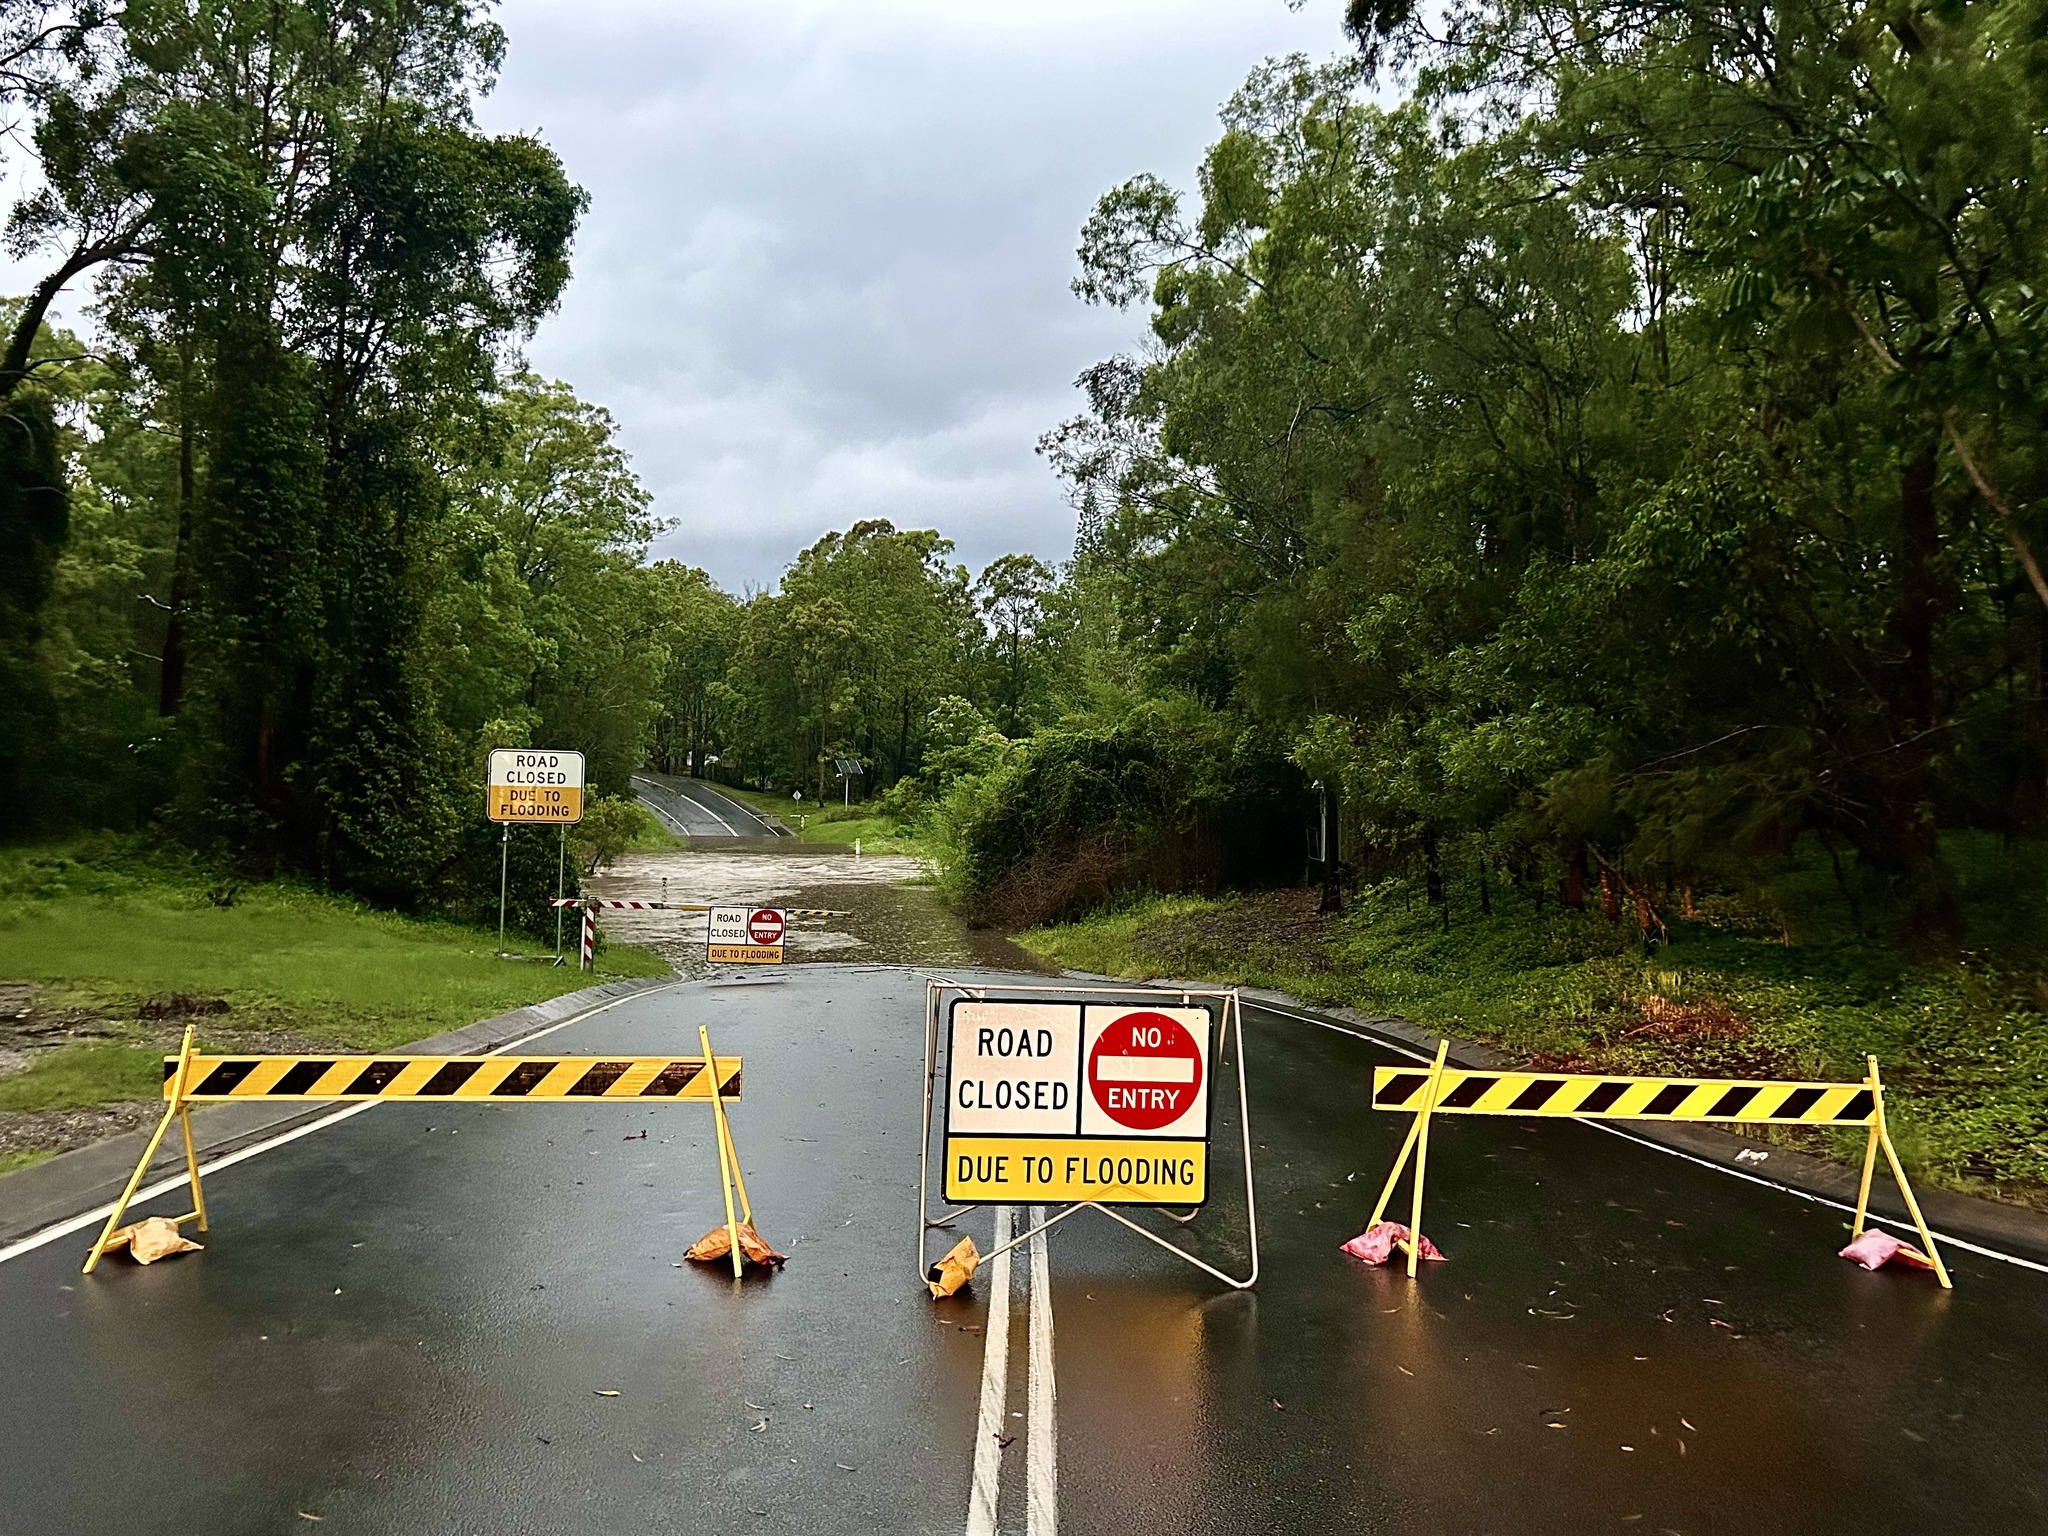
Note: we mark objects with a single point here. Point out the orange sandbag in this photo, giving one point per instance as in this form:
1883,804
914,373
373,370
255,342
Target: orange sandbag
153,1239
717,1244
955,1269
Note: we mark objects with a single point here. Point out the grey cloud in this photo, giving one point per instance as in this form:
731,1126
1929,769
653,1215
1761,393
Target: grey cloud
824,274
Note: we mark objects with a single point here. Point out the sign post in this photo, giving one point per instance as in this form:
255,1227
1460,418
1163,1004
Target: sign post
1078,1099
529,786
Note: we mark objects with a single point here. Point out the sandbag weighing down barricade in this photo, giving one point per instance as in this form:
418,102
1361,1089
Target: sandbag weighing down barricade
191,1078
1438,1090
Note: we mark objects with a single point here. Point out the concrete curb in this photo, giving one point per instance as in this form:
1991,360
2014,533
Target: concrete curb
86,1177
2009,1228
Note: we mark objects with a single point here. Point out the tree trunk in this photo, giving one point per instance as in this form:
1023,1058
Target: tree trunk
1432,868
1610,895
1906,784
171,680
1574,893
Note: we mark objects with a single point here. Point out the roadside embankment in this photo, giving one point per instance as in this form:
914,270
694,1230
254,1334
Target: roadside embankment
825,822
1963,1041
107,952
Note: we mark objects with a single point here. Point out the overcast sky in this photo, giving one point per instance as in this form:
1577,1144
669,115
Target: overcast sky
824,272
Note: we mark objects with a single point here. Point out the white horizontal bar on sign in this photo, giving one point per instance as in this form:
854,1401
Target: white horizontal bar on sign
1144,1069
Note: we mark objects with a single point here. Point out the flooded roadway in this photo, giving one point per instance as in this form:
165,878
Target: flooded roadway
893,915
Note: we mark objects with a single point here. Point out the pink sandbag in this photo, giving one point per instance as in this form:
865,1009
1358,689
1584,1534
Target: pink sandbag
1377,1245
1875,1249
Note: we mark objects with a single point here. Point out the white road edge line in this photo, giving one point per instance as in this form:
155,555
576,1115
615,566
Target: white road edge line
739,805
1657,1146
685,795
1041,1443
148,1192
995,1389
676,794
664,815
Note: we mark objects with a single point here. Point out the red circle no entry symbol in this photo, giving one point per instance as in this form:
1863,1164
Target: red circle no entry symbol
765,926
1145,1071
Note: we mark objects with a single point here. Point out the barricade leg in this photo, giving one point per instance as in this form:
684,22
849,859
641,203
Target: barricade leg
738,1178
1891,1156
171,1112
1429,1094
1869,1154
192,1166
727,1164
1407,1147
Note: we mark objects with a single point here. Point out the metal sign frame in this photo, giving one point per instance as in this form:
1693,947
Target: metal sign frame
1229,1023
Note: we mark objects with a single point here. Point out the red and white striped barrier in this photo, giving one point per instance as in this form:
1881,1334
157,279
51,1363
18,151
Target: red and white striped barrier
682,906
589,939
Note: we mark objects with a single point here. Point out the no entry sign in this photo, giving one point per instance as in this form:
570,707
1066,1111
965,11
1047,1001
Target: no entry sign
745,935
1065,1101
1145,1073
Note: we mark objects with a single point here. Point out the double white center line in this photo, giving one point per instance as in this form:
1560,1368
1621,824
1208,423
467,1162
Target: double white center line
1041,1436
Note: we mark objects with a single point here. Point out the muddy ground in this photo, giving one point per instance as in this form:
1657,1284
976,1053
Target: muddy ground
891,917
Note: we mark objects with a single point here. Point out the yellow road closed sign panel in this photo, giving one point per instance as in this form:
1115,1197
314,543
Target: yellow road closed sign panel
533,786
1115,1171
1071,1101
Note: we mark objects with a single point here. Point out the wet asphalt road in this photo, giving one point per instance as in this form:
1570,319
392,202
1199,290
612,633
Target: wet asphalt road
699,810
401,1322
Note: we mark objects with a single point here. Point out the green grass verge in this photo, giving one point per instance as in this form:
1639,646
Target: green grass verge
105,926
1963,1042
12,1162
655,837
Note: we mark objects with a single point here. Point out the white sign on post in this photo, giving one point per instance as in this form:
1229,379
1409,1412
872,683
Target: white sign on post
533,786
1064,1101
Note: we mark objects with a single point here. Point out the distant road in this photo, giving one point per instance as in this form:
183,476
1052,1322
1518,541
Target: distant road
697,809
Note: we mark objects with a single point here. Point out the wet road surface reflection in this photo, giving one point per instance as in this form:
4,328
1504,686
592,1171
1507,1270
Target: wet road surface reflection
402,1323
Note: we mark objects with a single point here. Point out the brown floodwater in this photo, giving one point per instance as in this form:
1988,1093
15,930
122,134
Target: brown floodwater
892,914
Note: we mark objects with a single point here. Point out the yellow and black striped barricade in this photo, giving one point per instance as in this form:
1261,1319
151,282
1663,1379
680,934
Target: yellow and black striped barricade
1440,1090
191,1078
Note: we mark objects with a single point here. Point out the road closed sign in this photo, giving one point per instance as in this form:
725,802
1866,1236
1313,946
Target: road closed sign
745,935
532,786
1066,1101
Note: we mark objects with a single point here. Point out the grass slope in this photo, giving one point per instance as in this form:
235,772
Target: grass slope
1740,992
102,927
834,823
